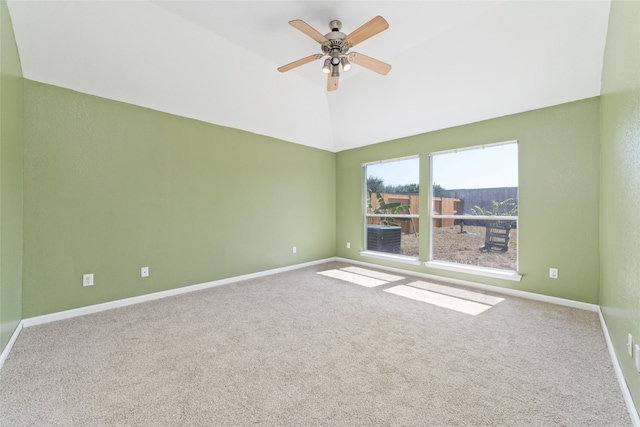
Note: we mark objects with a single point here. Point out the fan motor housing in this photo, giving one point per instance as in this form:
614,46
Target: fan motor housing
335,36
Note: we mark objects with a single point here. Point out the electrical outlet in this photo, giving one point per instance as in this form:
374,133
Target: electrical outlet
348,245
553,273
87,280
144,272
295,250
630,344
638,357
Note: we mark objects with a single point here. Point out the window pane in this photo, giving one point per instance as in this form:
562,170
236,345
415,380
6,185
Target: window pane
489,167
392,188
478,181
466,245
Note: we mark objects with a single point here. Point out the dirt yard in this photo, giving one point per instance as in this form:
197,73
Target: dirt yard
450,245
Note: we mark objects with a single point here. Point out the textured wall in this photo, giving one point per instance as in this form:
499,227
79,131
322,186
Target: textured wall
110,188
620,223
558,192
11,170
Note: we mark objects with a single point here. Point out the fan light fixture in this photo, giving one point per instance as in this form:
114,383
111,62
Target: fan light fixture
335,47
346,65
335,57
326,68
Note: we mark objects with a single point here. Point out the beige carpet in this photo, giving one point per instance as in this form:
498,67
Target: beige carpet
302,348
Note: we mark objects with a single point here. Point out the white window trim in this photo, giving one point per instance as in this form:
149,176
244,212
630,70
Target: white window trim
368,215
465,268
477,217
475,270
377,162
391,257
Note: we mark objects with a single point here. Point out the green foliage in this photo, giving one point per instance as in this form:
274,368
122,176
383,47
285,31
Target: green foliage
507,207
403,189
377,185
437,189
386,208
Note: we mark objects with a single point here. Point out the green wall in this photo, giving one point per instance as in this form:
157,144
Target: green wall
11,169
620,185
111,187
558,191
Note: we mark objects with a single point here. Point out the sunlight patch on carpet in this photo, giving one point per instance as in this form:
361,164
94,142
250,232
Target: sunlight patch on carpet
372,273
440,300
357,279
456,292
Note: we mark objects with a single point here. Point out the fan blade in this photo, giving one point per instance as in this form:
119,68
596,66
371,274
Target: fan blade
300,62
370,29
332,83
370,63
308,30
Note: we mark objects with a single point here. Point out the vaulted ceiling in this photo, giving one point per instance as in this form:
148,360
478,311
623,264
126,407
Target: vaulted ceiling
454,62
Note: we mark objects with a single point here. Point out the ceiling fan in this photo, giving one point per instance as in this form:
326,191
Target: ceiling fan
335,46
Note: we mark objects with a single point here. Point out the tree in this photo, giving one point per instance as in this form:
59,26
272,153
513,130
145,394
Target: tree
375,185
402,189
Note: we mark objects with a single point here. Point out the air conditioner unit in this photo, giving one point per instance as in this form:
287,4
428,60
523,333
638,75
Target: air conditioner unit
384,238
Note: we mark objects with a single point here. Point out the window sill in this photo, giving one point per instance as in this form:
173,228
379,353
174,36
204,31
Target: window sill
391,257
475,270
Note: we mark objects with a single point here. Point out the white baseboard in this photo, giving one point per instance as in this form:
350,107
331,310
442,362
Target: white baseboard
628,399
490,288
47,318
12,340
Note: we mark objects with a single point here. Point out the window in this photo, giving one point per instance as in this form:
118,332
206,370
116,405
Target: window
474,215
391,209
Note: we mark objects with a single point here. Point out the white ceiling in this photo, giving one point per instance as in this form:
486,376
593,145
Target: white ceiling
454,62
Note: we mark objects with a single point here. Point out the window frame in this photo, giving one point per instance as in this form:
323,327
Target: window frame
415,260
467,268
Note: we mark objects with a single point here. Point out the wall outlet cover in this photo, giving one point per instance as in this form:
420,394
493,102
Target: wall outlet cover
638,357
87,280
144,272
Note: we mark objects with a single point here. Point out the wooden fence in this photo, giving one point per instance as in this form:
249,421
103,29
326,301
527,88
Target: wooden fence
481,197
446,206
441,205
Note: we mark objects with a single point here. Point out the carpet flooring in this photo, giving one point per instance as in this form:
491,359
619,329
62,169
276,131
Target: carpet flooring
348,347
